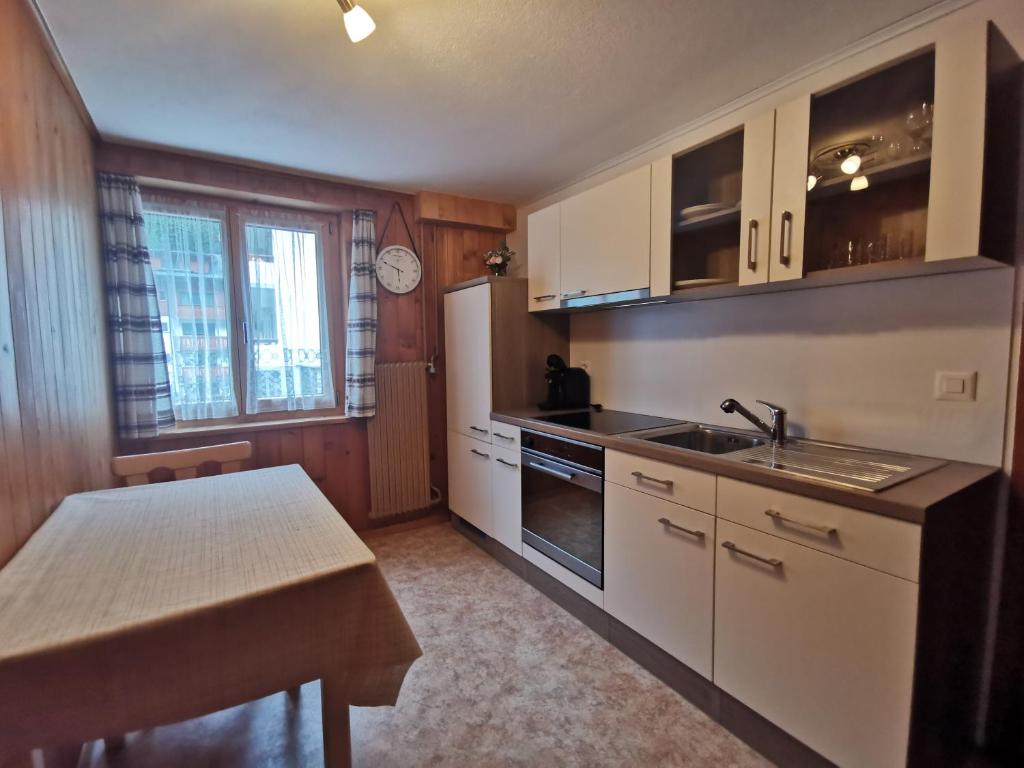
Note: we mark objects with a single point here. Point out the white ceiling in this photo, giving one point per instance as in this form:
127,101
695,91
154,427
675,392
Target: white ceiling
500,99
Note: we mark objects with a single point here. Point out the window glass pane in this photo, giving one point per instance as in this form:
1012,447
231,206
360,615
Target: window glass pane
187,248
289,360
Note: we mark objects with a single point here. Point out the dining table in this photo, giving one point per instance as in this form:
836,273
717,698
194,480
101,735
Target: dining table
141,606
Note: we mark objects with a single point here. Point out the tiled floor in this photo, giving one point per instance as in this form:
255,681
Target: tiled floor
507,679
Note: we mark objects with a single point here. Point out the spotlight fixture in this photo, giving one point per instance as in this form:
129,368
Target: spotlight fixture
812,181
858,183
850,164
358,23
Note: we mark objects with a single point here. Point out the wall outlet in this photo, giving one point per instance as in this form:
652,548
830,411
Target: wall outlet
956,385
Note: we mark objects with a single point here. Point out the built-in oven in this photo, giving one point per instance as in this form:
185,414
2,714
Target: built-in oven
563,502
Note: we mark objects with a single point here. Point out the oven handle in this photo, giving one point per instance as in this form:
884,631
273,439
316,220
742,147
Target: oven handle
552,472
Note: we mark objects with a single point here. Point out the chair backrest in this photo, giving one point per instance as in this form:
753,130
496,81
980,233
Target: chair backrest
184,463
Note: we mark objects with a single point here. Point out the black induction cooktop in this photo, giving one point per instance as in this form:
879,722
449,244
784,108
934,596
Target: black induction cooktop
608,422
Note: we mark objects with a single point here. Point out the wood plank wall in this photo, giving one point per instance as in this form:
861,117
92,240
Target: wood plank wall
335,454
56,433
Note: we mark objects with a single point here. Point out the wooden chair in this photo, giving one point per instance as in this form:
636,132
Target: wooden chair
184,463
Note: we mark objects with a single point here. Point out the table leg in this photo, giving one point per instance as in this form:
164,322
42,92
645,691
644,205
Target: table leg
335,724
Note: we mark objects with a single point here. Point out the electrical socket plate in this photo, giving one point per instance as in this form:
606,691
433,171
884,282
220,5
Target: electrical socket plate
956,385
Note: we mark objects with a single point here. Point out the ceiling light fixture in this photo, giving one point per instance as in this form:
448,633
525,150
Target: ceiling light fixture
858,183
850,164
358,23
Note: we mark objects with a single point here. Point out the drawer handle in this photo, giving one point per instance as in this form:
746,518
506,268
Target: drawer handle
480,453
828,530
752,245
668,523
507,463
774,562
546,297
478,429
552,472
641,477
504,437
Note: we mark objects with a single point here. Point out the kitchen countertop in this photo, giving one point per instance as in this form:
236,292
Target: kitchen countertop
909,500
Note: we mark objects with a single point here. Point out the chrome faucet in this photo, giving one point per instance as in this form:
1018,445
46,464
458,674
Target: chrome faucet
777,430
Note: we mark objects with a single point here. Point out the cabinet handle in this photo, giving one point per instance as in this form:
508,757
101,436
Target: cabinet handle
751,245
478,429
546,297
480,453
641,476
828,530
668,523
772,561
507,463
786,238
504,437
552,472
572,294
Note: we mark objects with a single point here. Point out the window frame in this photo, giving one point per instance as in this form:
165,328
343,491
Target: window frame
335,292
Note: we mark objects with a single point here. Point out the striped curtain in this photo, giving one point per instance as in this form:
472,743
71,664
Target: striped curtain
361,346
142,390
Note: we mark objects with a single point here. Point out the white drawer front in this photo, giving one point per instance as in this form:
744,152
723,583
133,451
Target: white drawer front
505,435
469,481
822,647
667,481
506,498
893,546
659,579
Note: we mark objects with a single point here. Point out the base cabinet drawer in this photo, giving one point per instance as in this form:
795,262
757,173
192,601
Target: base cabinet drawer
820,646
690,487
505,435
469,480
659,573
506,498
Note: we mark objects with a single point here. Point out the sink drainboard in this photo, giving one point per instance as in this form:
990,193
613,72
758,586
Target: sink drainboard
865,470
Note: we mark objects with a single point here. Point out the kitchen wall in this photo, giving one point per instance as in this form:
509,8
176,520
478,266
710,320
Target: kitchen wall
56,428
853,364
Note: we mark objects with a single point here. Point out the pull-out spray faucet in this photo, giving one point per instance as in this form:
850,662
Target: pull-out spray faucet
777,430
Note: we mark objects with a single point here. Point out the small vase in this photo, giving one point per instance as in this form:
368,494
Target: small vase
499,270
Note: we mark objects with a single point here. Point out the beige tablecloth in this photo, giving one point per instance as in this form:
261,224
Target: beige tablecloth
140,606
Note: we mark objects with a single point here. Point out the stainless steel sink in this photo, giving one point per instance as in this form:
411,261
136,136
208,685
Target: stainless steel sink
707,440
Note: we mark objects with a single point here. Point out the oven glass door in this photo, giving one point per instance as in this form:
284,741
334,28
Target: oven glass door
563,515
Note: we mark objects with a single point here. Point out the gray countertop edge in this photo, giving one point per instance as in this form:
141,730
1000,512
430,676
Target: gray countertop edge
909,501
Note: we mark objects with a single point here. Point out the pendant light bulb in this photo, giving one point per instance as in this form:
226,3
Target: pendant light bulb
858,183
358,23
850,164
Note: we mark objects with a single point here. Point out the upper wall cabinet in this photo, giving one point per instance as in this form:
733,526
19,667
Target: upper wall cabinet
606,237
889,167
544,245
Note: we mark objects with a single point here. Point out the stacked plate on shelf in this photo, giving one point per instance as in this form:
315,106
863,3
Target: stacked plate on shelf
705,209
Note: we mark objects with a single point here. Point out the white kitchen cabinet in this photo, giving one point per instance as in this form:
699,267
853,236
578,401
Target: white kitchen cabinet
467,343
544,251
659,573
682,485
606,237
469,480
505,435
506,498
820,646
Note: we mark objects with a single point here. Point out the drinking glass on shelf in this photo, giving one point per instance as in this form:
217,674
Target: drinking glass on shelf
919,125
896,149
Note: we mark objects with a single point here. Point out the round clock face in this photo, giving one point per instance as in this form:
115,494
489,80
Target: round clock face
398,269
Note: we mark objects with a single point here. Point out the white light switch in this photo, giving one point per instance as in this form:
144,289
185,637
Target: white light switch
956,385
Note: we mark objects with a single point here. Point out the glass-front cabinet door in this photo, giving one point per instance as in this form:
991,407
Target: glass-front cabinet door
886,167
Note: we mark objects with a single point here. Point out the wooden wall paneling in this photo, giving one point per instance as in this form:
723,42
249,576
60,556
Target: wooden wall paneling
442,208
54,381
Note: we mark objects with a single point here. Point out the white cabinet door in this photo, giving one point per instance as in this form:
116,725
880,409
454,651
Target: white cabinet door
789,191
469,480
606,237
822,647
467,349
756,198
506,498
544,254
659,572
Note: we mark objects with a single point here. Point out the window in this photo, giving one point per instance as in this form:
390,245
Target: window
270,354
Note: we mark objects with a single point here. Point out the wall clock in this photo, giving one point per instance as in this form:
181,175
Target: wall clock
398,269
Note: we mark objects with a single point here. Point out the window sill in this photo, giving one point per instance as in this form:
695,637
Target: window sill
236,427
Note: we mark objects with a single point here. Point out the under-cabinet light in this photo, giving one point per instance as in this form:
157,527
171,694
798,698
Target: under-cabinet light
358,23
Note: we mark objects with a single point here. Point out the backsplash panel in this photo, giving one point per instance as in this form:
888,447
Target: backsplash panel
852,364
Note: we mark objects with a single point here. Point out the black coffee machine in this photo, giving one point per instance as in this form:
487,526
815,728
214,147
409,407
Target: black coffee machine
567,387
